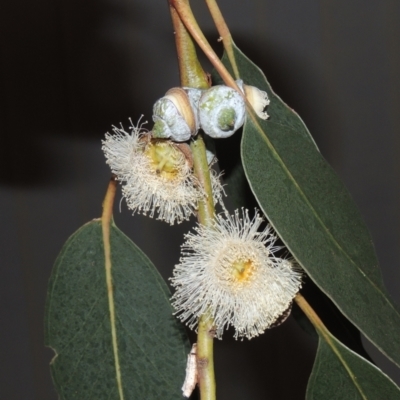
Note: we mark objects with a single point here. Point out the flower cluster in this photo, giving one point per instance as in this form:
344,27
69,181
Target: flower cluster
157,174
229,271
219,111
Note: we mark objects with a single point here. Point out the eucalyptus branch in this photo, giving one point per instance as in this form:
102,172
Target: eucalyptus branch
201,169
206,329
192,75
205,362
230,273
185,13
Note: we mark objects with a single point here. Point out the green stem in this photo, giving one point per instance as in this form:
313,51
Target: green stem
192,75
191,72
186,15
205,363
224,32
206,329
202,171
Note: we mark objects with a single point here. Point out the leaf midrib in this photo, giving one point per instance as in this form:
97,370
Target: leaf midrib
106,235
303,195
328,339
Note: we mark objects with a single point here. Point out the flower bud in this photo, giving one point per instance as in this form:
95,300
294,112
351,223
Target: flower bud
194,98
173,116
221,111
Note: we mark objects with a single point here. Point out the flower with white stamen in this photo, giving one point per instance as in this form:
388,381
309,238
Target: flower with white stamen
157,175
230,272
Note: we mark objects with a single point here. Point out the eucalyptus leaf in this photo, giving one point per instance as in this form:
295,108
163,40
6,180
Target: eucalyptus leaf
315,216
339,373
236,186
337,324
149,357
227,150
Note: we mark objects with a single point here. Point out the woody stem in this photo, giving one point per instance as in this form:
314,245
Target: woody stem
192,75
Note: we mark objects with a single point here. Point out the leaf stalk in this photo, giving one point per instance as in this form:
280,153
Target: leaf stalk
327,336
224,33
106,219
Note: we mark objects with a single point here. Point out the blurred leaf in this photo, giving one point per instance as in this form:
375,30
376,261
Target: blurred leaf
315,215
339,373
152,346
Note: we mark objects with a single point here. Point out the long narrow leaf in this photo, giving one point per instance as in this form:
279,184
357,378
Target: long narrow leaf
339,373
315,215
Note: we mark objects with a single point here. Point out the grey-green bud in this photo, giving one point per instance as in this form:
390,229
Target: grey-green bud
174,117
221,111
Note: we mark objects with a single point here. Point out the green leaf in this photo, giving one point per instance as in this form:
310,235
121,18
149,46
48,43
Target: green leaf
236,186
339,373
149,356
337,324
315,215
227,150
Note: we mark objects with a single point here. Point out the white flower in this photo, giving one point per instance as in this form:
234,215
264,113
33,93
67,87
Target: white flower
229,272
157,174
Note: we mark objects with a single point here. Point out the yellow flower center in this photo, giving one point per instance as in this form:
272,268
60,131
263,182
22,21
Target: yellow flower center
242,270
165,159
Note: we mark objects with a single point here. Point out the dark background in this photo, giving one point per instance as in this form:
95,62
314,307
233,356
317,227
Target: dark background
70,69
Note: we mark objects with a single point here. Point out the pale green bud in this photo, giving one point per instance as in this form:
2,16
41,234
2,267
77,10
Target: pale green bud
221,111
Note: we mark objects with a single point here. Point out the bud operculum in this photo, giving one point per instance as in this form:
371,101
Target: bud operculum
221,111
174,117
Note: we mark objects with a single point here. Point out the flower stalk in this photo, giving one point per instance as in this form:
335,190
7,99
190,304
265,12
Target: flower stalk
192,75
